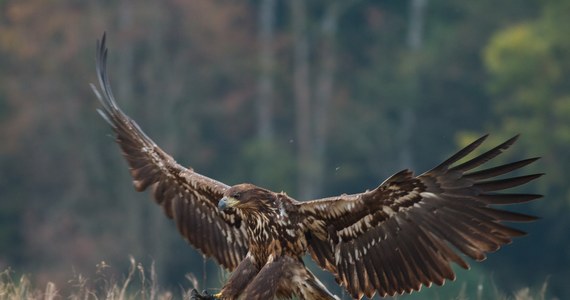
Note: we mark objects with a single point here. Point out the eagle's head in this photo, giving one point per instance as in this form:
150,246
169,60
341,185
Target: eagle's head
248,198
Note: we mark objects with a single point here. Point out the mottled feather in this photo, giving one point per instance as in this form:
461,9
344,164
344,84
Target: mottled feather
186,196
404,230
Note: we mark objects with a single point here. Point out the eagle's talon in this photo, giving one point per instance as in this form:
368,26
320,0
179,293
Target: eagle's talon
195,295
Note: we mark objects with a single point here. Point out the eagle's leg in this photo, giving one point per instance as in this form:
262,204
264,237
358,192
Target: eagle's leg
239,279
311,288
286,277
267,282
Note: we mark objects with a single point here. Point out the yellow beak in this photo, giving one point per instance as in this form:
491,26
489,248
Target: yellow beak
227,202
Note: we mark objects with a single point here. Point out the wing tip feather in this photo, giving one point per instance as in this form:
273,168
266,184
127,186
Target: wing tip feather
460,154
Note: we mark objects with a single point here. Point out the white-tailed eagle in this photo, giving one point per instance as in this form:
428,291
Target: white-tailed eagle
390,240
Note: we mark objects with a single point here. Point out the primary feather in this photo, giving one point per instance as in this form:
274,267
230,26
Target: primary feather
186,196
401,235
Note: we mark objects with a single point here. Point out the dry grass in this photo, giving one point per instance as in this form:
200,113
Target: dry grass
522,294
138,284
142,284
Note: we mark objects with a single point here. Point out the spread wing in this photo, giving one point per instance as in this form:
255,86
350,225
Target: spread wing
186,196
406,232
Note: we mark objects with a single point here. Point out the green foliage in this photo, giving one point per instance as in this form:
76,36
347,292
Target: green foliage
515,56
266,163
528,64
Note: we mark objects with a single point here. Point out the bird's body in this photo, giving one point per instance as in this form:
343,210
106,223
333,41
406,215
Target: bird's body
277,242
393,239
267,222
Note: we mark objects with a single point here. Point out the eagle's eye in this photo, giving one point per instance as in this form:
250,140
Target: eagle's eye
236,196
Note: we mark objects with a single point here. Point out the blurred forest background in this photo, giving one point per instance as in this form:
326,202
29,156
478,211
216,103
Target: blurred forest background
313,98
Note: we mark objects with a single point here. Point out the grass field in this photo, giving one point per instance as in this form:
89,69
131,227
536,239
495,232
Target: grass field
142,284
137,284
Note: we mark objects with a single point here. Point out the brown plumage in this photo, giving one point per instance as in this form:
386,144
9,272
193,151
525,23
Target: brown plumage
390,240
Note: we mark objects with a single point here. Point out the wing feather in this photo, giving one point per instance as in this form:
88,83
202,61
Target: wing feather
189,198
408,231
373,277
393,250
419,264
500,170
485,157
494,185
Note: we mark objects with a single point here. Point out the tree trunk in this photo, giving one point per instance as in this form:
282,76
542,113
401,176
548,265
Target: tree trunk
324,92
265,93
408,114
416,25
302,93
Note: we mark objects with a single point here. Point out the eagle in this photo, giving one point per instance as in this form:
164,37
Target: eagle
389,240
